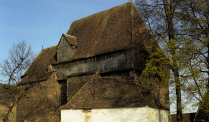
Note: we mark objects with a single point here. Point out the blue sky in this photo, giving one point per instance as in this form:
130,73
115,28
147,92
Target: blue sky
42,22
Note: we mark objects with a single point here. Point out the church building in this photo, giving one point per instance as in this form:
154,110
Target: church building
94,67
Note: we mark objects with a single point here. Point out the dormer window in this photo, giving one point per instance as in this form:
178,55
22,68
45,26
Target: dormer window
66,47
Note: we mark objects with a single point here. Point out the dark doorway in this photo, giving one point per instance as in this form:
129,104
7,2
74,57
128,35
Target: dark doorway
63,89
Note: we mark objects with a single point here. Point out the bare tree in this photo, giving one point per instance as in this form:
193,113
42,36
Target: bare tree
11,69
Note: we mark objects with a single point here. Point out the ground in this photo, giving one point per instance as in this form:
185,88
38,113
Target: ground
3,112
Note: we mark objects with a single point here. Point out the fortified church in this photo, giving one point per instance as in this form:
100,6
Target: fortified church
95,65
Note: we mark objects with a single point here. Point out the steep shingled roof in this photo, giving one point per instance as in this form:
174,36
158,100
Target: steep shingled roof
114,29
38,70
110,92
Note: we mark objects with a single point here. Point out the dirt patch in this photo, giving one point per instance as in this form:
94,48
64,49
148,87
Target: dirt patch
3,112
4,109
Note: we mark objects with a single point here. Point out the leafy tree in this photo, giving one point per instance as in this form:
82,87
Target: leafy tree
194,17
162,20
181,29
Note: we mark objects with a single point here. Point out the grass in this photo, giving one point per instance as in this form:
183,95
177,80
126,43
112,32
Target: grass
3,112
12,117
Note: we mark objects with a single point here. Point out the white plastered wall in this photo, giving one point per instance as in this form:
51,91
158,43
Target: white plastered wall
137,114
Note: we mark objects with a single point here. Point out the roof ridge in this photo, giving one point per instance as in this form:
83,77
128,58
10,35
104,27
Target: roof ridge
70,39
67,35
104,10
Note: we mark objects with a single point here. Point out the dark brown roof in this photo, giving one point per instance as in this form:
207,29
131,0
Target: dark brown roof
109,92
70,39
114,29
38,70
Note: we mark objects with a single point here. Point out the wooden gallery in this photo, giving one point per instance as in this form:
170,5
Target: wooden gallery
92,74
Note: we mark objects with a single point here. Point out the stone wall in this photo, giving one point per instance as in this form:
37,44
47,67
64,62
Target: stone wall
41,102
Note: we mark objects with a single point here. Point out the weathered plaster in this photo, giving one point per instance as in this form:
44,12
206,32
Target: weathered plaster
138,114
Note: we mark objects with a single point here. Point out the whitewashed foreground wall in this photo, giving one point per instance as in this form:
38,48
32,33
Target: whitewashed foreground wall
137,114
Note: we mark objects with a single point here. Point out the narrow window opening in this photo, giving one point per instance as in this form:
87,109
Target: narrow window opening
63,88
